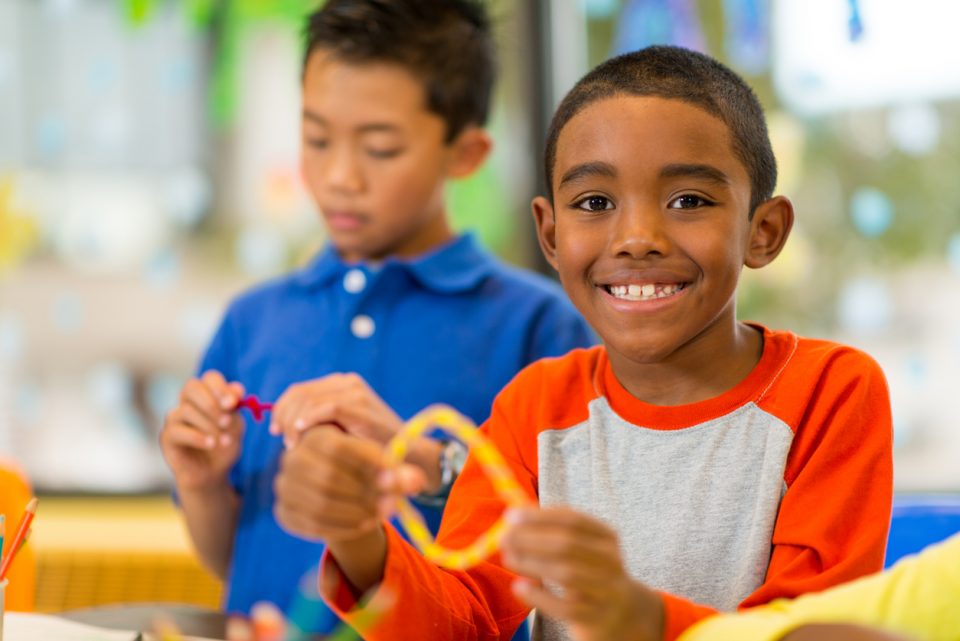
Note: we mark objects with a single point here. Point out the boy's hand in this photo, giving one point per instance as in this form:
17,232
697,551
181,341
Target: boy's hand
333,486
346,401
343,400
329,486
580,556
201,437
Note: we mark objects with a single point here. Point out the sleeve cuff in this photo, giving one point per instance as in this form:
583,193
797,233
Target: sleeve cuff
366,613
333,586
679,614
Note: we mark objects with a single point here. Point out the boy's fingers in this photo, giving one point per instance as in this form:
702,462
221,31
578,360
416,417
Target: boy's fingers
225,397
386,506
588,578
191,416
540,567
366,414
404,479
356,456
284,411
237,390
304,526
549,604
563,518
293,436
561,543
354,415
312,415
323,478
562,557
345,399
196,393
324,509
184,436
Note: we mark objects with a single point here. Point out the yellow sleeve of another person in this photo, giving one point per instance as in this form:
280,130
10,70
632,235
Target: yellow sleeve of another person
918,597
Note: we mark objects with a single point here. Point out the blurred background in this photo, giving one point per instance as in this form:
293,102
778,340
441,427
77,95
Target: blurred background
149,172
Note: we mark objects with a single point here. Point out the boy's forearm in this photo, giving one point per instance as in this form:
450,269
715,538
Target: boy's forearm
361,561
211,516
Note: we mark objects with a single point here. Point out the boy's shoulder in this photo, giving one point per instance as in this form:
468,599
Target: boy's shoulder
525,283
267,293
814,372
295,284
813,357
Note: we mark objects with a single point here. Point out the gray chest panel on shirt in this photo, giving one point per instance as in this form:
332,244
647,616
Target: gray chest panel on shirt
694,508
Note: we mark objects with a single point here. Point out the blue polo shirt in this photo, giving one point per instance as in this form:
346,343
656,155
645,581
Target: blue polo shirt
451,326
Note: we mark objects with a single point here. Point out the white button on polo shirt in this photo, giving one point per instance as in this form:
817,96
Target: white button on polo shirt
354,281
362,326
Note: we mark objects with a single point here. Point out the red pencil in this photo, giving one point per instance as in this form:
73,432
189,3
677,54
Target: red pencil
22,528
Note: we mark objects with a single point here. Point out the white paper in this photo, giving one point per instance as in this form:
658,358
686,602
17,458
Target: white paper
21,626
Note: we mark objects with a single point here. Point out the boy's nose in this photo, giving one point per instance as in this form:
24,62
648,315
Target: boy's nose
343,172
639,231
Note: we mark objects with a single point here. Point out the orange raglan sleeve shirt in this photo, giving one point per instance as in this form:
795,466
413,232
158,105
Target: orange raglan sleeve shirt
778,487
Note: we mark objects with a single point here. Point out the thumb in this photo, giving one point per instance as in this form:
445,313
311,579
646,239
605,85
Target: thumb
410,479
403,479
397,482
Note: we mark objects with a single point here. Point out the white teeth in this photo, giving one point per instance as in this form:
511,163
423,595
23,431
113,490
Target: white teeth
648,291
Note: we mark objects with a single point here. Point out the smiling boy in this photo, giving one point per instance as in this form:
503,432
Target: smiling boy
693,462
397,312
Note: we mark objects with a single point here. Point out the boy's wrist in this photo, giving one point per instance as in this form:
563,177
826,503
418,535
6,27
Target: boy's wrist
361,561
210,489
649,609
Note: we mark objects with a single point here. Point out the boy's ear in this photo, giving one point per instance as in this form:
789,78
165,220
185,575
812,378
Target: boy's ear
769,229
469,149
546,223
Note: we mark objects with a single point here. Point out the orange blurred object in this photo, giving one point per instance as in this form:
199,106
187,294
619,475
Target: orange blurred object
15,493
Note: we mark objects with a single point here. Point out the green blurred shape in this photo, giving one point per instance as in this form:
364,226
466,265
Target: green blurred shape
238,17
478,203
200,12
138,11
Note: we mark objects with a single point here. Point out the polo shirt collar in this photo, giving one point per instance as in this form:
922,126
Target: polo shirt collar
458,266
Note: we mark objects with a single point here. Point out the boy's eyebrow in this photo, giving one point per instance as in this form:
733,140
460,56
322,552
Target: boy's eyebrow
704,172
372,126
596,168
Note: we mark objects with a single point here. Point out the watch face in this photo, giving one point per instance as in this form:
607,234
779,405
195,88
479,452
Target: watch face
455,454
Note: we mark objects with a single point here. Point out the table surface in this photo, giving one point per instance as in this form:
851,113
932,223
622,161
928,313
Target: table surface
191,620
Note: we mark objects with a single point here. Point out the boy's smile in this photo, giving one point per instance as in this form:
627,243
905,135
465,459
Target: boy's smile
648,230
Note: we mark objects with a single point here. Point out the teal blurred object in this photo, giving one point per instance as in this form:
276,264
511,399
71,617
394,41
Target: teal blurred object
920,520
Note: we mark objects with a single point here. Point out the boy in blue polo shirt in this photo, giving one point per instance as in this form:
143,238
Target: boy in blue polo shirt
396,313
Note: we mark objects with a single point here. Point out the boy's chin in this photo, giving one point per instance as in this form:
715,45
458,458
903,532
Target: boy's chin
350,250
641,352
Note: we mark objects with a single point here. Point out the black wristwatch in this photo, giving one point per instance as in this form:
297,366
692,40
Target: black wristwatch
452,457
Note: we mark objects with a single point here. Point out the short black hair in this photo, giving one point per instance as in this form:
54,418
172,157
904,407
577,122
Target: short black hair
446,43
679,74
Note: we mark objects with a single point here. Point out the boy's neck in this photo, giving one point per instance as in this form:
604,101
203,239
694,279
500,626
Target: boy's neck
706,367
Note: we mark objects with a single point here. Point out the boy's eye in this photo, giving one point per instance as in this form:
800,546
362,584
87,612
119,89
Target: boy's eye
384,153
594,203
688,201
316,143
